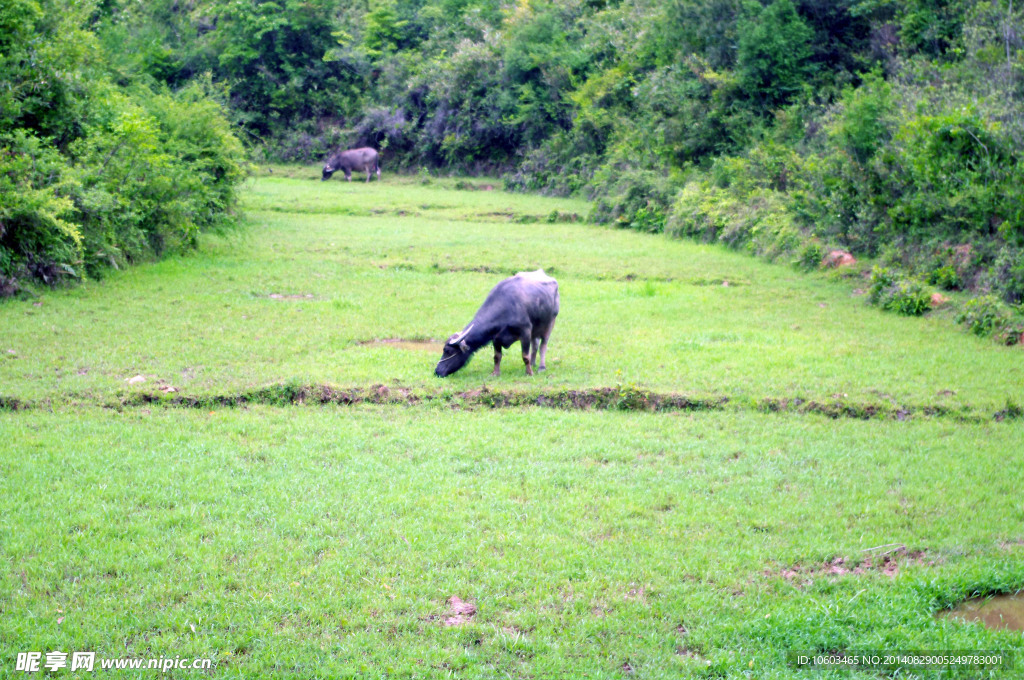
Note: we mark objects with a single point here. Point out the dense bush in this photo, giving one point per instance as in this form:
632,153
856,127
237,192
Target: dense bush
773,56
987,315
38,234
757,220
94,173
909,165
559,167
632,197
894,293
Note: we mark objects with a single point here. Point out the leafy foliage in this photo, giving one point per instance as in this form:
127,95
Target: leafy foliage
93,172
896,294
773,55
35,216
987,315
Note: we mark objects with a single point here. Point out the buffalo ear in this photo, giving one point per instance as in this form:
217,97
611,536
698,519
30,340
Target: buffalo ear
464,346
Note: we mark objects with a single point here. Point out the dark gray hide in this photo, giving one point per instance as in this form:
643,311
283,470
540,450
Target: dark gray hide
365,160
521,309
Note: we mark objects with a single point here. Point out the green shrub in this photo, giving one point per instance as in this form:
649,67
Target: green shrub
865,119
97,171
154,170
896,294
701,211
772,55
953,174
469,122
561,166
634,198
810,256
648,218
946,278
908,298
758,221
984,315
37,227
1006,274
882,279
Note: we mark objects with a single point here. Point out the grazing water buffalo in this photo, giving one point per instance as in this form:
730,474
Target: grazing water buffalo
365,159
522,307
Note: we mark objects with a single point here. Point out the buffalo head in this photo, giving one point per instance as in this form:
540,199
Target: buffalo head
455,354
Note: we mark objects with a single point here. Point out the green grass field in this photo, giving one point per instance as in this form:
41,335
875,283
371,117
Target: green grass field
667,500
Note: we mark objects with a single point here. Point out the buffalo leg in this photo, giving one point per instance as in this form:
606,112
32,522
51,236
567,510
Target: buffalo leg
525,340
544,345
497,359
533,351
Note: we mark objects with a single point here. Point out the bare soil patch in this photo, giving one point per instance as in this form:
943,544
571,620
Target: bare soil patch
428,345
888,561
460,612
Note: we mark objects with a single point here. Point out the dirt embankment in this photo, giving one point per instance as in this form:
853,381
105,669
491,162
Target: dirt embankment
618,398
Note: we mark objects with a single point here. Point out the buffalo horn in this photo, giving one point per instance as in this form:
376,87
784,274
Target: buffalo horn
458,338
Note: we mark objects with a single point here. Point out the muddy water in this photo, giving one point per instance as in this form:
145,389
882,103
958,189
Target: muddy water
1003,612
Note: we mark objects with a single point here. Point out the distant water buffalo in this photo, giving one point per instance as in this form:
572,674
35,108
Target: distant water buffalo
520,308
364,159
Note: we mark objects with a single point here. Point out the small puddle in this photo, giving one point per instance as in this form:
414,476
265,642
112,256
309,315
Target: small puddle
1002,612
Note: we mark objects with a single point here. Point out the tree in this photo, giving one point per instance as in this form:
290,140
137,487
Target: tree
773,58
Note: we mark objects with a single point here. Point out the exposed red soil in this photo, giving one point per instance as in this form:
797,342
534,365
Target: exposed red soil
460,612
887,563
838,258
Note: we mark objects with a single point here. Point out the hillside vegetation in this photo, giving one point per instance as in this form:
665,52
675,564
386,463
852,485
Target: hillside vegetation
789,128
99,168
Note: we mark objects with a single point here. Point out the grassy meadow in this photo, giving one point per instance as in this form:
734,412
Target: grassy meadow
327,268
284,537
